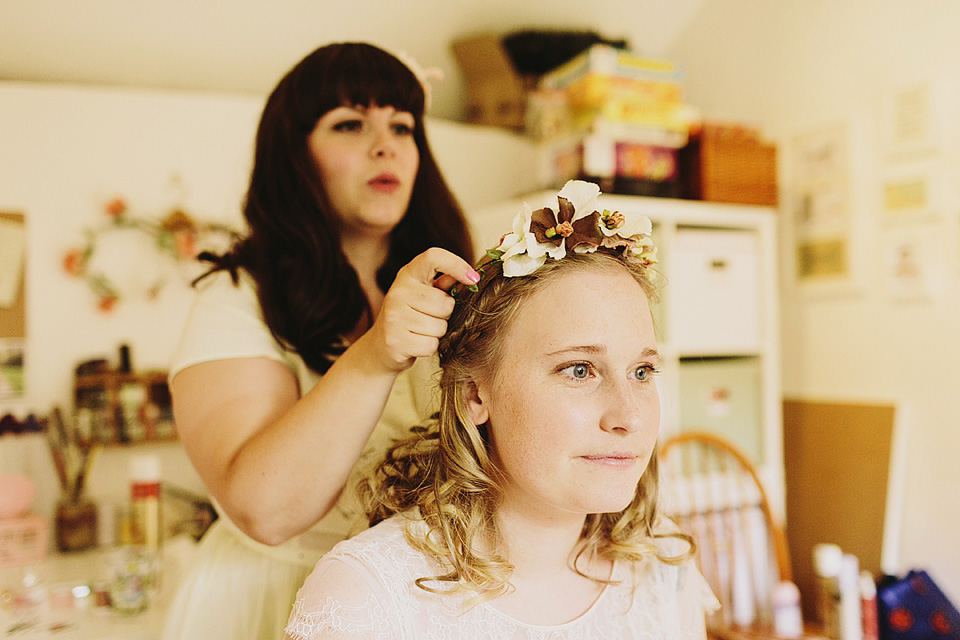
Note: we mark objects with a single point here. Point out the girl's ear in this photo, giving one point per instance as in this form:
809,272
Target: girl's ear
476,406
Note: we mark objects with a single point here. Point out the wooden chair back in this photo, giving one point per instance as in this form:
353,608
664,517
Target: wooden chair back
712,491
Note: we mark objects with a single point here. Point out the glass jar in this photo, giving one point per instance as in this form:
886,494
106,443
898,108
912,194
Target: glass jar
75,524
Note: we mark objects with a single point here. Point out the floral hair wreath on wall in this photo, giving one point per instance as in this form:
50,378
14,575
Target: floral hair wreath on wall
576,224
129,256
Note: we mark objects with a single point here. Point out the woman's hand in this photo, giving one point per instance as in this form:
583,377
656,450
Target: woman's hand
416,308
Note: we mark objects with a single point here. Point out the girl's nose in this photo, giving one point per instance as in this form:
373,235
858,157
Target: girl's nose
624,411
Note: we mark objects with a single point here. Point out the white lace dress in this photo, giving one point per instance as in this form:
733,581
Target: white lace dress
364,588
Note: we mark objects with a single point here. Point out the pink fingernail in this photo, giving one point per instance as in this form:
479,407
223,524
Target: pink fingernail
473,276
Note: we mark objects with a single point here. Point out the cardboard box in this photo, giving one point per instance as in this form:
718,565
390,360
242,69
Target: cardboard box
729,164
496,92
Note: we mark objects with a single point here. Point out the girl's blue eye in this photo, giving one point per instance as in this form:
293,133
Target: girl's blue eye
578,370
645,372
402,129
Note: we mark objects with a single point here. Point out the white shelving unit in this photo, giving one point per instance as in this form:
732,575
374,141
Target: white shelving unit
718,321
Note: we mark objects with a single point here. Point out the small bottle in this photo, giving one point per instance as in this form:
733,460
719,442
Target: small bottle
145,501
787,617
124,365
827,559
868,607
849,581
106,524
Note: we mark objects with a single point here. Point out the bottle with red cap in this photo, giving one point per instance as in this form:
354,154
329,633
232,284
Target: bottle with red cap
145,528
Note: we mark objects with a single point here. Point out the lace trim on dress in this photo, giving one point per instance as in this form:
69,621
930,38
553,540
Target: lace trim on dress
650,600
338,620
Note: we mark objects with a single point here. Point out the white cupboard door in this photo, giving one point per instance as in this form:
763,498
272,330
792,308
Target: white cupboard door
714,290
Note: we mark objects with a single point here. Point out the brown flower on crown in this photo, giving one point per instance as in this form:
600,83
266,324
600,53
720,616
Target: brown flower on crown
556,228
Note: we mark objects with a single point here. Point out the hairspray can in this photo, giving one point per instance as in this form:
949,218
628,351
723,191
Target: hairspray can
145,501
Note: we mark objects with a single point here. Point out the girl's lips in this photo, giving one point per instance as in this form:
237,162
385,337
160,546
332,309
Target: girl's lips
386,182
614,460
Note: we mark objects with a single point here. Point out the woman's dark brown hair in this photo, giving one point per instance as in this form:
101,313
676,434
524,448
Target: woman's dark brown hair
309,294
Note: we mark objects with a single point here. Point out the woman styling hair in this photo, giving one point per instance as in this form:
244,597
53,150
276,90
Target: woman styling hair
528,508
310,341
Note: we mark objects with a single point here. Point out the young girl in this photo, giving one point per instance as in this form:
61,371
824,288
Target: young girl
529,508
296,368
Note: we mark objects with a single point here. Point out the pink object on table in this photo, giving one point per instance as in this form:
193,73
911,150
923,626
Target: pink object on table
16,494
23,540
23,536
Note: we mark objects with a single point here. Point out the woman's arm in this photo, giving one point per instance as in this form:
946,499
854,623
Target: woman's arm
277,462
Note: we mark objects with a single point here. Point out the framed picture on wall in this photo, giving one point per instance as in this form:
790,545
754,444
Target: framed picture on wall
917,116
13,326
12,250
913,262
11,368
821,216
913,191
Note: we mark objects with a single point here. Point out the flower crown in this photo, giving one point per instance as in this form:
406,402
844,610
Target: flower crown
576,225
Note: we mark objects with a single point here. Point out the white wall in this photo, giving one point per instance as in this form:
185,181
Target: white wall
201,44
66,149
790,68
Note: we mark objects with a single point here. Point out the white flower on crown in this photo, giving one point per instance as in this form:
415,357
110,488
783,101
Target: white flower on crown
626,224
574,225
522,254
582,195
645,251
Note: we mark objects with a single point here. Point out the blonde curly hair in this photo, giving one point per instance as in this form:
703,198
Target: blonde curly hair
445,470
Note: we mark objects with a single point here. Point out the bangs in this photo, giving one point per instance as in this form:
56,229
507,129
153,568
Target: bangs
360,74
